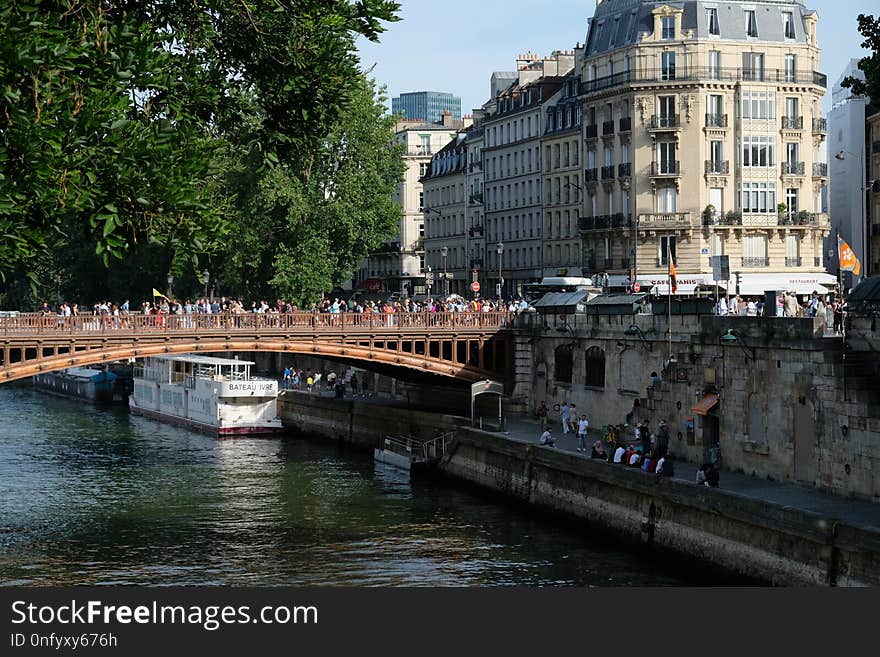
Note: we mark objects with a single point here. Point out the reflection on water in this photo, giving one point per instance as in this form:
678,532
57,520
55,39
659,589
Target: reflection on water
96,496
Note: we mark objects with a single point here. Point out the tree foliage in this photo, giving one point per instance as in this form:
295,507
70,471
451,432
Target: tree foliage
869,28
118,119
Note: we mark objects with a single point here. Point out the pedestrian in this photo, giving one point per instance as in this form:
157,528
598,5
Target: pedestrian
582,427
572,418
662,439
287,378
354,385
543,411
566,417
547,438
309,383
643,433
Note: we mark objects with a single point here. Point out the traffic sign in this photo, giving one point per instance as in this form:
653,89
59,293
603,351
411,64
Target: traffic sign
637,288
475,286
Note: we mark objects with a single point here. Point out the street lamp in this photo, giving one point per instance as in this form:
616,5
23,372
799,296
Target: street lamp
444,251
206,277
499,249
170,280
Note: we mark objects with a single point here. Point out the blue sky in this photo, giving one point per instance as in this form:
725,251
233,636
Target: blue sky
455,45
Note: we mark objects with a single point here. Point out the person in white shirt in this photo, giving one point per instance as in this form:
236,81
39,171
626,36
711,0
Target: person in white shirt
547,438
721,306
618,454
752,309
582,426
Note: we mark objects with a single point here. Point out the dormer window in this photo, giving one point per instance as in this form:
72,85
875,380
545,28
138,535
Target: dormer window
788,24
667,28
751,25
714,29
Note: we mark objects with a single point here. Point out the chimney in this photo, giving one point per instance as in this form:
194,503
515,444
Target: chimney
447,119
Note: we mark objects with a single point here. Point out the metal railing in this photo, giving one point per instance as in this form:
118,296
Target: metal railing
792,168
418,450
608,172
793,262
665,220
716,120
820,126
591,131
717,167
792,123
820,170
607,128
591,175
624,170
625,124
755,262
696,73
300,322
666,168
660,122
605,222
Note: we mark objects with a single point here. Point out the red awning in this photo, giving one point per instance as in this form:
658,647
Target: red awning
705,405
370,284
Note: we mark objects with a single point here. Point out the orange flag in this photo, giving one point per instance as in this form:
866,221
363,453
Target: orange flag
848,260
673,279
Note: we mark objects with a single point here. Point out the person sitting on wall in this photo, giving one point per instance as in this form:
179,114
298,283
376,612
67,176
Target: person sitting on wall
649,462
547,438
635,458
665,467
598,451
619,454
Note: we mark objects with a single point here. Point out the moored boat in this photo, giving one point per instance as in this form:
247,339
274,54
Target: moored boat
215,395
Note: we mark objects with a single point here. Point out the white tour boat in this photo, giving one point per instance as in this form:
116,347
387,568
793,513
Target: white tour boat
217,395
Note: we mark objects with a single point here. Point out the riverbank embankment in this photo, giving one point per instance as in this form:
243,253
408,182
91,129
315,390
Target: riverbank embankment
782,544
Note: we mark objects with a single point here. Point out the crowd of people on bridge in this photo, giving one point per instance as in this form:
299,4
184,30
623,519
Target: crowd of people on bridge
823,306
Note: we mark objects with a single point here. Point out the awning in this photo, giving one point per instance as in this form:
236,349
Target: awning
658,284
757,284
705,405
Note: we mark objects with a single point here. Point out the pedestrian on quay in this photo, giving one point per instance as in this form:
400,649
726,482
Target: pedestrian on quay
354,385
582,427
287,378
643,433
566,417
572,418
309,383
543,411
547,438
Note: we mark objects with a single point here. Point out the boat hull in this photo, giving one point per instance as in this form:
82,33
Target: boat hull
234,431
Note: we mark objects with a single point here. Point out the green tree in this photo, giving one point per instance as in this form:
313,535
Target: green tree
116,117
308,234
869,28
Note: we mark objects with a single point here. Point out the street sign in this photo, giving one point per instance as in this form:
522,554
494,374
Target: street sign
637,288
475,286
720,268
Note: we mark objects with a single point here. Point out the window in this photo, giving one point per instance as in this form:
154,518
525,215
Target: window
792,249
667,110
421,201
717,244
791,108
792,151
614,34
667,199
715,110
758,151
758,105
788,24
758,198
755,248
716,156
753,66
667,65
666,158
751,25
667,248
712,15
714,64
562,364
791,200
667,28
790,68
595,367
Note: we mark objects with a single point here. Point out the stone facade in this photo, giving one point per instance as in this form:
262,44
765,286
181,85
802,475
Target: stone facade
703,136
790,407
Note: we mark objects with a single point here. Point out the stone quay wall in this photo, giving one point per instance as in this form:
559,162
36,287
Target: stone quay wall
794,406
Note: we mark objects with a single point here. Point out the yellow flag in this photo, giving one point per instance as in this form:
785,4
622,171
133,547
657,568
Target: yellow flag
156,293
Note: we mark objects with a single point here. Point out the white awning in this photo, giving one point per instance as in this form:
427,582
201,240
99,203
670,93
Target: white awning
757,284
658,283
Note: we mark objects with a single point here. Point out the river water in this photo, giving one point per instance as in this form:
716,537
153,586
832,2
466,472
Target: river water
96,496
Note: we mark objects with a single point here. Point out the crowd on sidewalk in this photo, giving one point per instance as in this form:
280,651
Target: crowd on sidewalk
648,451
831,310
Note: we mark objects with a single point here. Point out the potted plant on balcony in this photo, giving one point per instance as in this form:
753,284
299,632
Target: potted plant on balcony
782,211
734,218
803,218
710,216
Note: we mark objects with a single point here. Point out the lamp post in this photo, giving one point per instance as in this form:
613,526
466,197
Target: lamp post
170,280
206,277
444,251
499,249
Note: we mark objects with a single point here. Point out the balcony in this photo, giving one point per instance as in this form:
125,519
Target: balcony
476,198
716,120
792,123
665,168
670,122
475,231
625,124
419,150
608,172
591,131
665,220
792,168
803,218
624,170
591,175
820,170
605,222
820,126
792,262
756,262
607,128
718,167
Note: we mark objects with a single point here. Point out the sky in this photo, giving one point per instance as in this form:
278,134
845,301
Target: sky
454,45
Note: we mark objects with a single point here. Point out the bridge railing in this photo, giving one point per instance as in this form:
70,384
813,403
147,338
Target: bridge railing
49,325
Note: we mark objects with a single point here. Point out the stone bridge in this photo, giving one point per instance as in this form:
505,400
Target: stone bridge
466,346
